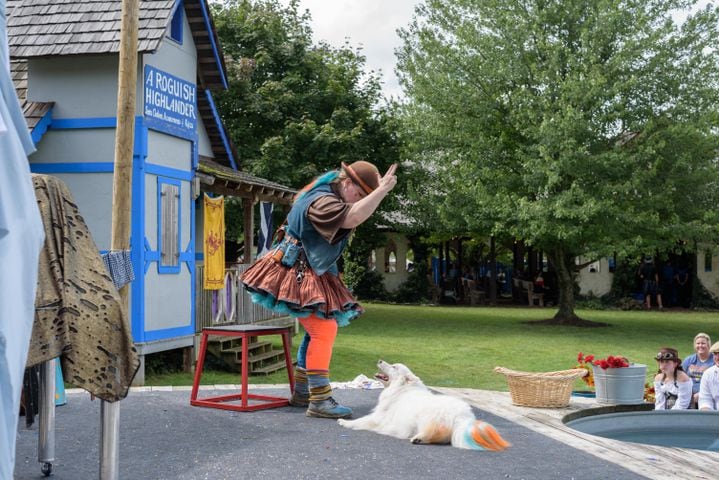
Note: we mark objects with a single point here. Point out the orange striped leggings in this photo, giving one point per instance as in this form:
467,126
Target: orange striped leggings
322,338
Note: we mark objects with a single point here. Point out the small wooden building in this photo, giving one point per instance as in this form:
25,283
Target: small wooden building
65,68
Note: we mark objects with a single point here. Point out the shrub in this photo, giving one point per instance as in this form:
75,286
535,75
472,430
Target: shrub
365,284
415,289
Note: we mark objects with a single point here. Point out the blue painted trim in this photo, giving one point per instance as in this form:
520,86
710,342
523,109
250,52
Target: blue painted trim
41,127
90,167
190,263
200,256
177,24
173,269
150,255
221,128
76,123
140,144
164,333
137,251
169,172
215,51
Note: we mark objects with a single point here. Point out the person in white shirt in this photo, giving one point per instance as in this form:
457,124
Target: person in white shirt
672,387
709,386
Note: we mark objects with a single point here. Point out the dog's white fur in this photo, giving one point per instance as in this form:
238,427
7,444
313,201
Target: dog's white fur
408,409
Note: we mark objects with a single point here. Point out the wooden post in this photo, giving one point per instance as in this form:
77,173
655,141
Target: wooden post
248,206
121,204
125,132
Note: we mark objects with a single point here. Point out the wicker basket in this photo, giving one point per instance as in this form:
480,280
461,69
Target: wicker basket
548,389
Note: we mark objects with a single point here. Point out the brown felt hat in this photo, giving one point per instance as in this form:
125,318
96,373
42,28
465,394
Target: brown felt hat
363,174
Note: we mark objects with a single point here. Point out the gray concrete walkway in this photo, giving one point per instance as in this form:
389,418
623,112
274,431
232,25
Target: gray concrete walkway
163,437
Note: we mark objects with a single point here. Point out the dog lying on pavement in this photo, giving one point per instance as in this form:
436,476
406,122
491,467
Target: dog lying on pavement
408,409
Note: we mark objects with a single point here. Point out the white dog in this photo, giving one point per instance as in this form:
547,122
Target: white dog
408,409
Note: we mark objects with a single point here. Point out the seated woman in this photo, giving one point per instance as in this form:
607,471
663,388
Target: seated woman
695,364
672,387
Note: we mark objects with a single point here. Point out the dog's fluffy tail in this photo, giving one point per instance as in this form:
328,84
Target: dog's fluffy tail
478,435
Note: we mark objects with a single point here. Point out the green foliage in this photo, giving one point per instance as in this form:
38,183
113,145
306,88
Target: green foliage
580,127
702,299
162,363
628,303
364,283
590,303
624,281
295,109
415,289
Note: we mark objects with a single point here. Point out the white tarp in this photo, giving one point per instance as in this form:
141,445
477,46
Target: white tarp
21,239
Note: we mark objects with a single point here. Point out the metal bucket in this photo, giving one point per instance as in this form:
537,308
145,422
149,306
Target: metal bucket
620,386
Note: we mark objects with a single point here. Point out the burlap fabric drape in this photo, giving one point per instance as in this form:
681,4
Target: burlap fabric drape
78,311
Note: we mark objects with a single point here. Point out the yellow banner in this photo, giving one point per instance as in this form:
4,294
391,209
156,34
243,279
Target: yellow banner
214,243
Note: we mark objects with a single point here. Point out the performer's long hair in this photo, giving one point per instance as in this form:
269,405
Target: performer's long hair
323,179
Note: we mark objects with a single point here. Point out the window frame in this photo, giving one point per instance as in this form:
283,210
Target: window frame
165,232
177,24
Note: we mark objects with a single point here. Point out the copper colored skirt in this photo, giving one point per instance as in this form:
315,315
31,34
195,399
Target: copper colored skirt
275,287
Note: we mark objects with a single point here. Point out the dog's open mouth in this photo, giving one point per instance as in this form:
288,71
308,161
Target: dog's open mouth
381,377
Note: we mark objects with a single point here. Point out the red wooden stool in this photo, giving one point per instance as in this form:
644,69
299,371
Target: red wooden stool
244,332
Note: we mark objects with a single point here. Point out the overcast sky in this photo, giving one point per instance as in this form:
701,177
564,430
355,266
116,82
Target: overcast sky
373,25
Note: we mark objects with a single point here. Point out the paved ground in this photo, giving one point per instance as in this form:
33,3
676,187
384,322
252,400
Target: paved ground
163,437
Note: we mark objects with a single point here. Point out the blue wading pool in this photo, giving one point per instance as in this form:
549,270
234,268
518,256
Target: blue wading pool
640,424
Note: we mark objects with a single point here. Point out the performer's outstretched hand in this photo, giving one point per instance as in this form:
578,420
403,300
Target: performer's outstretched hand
389,180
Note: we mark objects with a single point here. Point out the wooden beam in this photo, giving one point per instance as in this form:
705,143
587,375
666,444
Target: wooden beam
248,226
125,132
221,190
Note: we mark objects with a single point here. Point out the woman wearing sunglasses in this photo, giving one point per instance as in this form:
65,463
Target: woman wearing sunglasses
672,387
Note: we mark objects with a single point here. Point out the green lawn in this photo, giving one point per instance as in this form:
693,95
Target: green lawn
460,346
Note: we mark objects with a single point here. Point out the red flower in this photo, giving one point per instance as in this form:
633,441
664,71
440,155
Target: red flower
612,362
579,357
589,358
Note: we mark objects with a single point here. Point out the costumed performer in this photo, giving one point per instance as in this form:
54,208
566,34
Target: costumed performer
299,275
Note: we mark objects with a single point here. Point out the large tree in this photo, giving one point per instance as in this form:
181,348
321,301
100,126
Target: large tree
295,108
583,128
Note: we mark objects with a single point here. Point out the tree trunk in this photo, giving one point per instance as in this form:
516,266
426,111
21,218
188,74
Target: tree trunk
563,262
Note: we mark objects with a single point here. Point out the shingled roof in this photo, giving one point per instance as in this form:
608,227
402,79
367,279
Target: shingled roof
41,28
226,181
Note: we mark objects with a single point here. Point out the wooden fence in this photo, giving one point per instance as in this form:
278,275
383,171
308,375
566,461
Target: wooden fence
231,305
